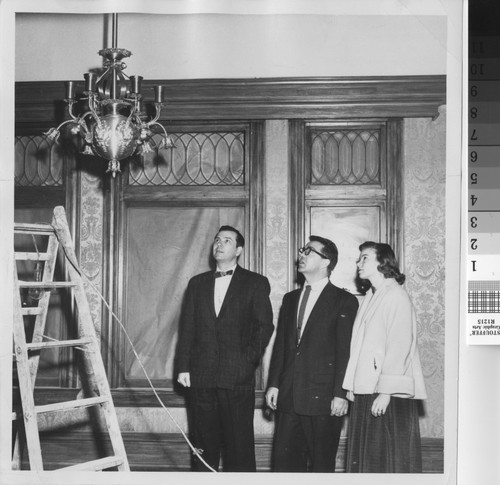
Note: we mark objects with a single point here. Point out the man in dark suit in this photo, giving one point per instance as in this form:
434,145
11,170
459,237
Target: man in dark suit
308,363
226,324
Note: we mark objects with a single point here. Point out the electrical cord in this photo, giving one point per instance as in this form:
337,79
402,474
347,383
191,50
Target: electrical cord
85,277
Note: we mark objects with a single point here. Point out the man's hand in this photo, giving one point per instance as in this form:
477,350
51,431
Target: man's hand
272,397
339,406
380,404
184,379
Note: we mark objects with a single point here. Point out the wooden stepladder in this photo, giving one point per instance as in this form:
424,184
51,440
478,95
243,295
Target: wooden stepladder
27,353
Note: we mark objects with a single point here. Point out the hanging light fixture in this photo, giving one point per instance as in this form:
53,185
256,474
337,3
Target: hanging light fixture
114,127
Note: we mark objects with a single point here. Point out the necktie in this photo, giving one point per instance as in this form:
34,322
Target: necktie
302,310
218,274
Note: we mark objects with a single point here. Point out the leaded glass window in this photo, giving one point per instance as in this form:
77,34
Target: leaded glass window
345,156
198,159
39,162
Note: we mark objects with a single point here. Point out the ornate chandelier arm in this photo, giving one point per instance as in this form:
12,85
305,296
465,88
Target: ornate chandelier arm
154,121
84,125
159,104
70,100
166,141
71,103
135,111
92,108
54,133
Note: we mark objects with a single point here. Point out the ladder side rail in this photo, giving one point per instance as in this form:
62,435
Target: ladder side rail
17,453
25,384
49,257
94,365
41,318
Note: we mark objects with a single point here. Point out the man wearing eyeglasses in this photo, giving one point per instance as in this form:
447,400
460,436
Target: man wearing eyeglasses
226,324
308,363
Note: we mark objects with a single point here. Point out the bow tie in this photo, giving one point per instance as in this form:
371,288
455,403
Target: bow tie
218,274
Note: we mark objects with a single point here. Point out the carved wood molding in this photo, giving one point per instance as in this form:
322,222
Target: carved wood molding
41,103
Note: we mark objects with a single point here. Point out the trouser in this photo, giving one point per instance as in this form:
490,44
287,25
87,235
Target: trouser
306,443
222,425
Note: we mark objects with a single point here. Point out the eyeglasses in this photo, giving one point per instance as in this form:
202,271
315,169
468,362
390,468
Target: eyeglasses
306,250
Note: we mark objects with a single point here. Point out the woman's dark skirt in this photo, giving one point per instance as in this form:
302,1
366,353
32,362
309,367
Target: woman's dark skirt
386,444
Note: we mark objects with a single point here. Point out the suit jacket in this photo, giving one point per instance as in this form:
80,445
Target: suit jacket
223,351
310,375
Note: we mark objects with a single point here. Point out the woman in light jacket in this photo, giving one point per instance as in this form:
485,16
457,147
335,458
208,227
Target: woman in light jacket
384,377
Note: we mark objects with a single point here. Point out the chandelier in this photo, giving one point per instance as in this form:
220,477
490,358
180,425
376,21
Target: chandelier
113,125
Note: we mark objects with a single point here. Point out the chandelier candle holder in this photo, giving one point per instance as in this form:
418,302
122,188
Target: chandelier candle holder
114,127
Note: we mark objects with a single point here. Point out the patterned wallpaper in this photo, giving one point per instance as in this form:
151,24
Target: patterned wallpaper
276,235
91,241
424,249
277,200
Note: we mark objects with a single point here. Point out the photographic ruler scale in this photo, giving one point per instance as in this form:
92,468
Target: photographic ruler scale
483,253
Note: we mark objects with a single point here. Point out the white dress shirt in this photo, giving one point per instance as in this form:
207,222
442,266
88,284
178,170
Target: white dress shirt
220,289
316,289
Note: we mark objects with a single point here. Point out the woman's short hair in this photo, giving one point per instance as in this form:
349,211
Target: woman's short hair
388,264
329,250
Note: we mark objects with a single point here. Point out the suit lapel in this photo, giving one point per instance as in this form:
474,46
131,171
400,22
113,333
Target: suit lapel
294,310
324,305
208,289
233,289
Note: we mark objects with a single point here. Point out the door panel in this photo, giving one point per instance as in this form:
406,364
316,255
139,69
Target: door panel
166,246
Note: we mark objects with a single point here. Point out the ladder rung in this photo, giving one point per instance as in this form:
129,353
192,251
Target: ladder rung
46,285
95,465
31,310
58,343
30,256
77,403
30,228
